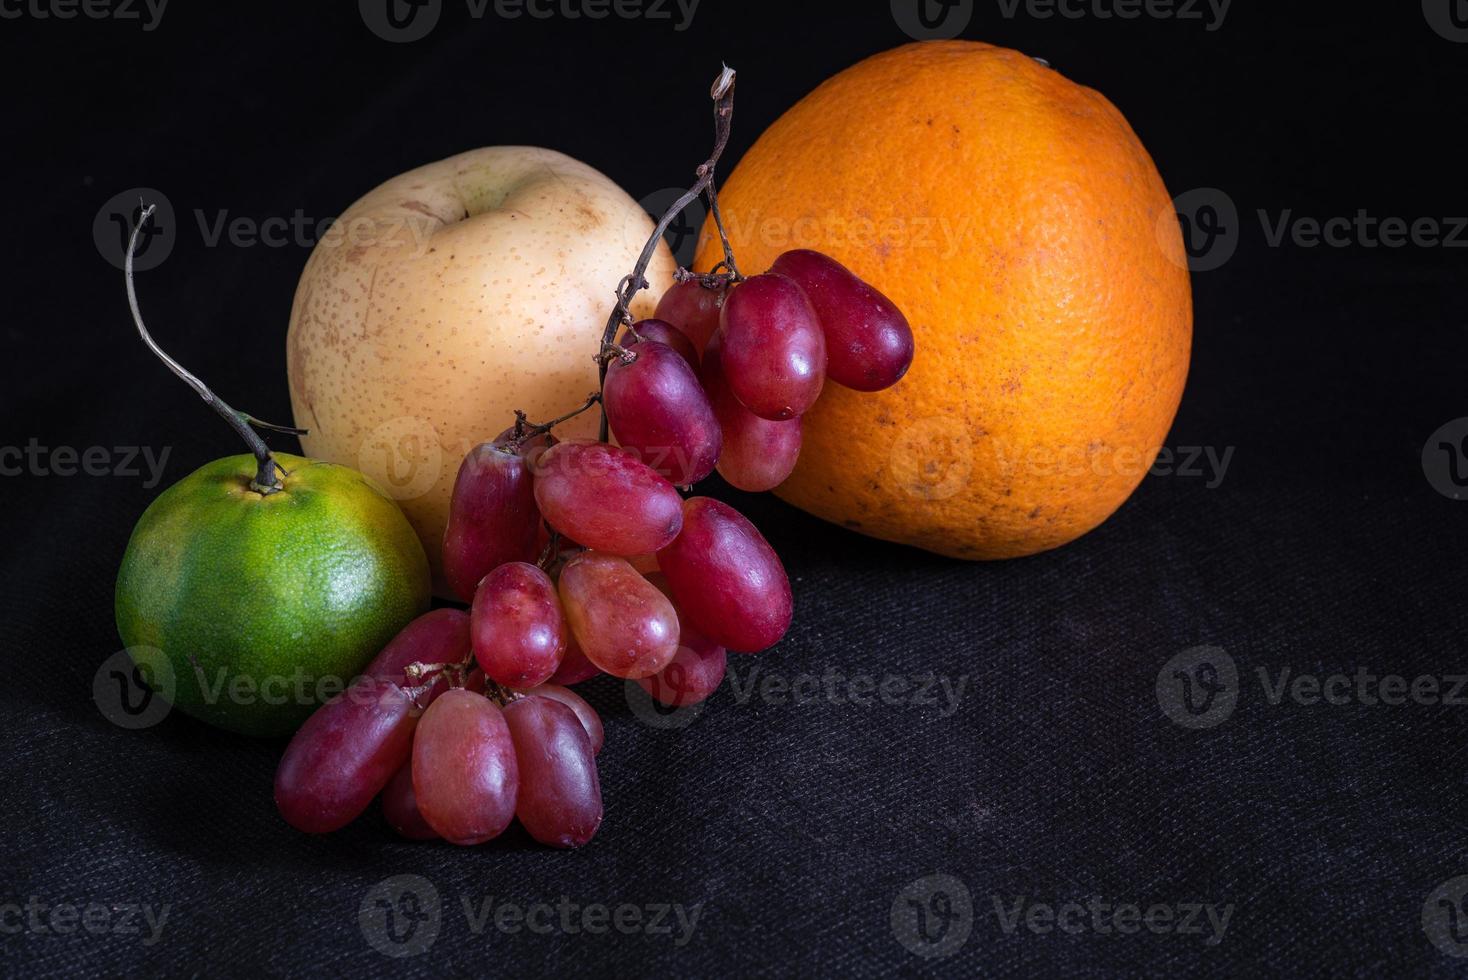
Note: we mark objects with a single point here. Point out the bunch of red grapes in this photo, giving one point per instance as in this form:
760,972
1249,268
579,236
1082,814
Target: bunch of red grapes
580,558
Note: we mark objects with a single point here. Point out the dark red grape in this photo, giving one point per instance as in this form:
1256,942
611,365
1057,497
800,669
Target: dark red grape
559,799
344,755
590,720
574,667
727,580
518,631
692,309
757,454
464,772
606,498
664,333
492,516
657,408
622,623
868,342
440,636
774,352
400,807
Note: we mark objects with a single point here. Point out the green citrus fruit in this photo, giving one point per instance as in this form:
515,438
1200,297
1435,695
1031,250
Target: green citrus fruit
252,608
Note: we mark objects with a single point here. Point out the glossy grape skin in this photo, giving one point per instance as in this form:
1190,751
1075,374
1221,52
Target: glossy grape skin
664,333
656,407
344,755
757,454
440,636
622,622
869,344
773,349
728,582
692,309
606,498
465,775
400,807
518,630
590,720
493,517
574,667
559,800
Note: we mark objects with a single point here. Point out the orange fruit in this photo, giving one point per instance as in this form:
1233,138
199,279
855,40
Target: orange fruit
1018,222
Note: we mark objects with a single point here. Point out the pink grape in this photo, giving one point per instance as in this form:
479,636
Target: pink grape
657,408
728,582
493,518
758,454
664,333
437,637
344,755
518,630
559,800
400,807
465,775
574,667
590,720
622,622
606,498
869,344
774,352
693,309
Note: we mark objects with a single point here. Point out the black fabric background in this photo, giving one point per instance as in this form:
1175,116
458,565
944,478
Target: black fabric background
1323,549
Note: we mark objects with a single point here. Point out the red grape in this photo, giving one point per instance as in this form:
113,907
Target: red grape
664,333
622,622
590,720
869,345
758,454
492,516
400,807
437,637
574,667
344,755
692,309
606,498
518,630
774,352
727,580
694,673
656,407
464,771
559,800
